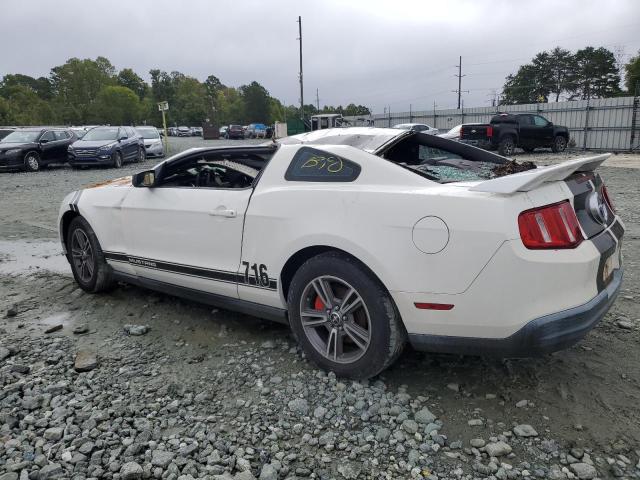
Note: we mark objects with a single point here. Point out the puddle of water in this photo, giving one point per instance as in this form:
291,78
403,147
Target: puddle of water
20,257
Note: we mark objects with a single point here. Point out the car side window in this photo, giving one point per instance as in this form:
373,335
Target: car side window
197,172
131,132
61,135
313,165
123,133
540,121
524,120
48,136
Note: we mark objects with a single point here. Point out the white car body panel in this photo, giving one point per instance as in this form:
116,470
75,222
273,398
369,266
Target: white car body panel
456,243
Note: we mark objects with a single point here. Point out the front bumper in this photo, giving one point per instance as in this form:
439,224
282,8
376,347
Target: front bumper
11,162
154,150
542,335
87,161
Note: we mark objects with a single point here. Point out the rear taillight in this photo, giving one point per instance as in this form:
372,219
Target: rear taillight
607,198
489,131
551,226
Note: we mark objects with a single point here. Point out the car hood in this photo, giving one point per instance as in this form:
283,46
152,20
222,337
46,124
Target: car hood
11,146
116,182
92,143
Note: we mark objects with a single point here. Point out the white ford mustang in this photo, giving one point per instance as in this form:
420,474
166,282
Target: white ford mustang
361,239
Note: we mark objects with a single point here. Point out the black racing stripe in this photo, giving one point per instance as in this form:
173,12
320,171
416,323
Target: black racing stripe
606,245
210,274
617,230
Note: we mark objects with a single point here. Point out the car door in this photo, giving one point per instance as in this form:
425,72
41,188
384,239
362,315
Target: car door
47,146
186,235
527,130
544,131
61,144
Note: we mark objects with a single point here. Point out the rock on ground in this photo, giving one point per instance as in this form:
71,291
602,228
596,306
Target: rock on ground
525,431
86,360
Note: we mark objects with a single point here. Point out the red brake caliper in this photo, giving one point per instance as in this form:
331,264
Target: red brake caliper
318,305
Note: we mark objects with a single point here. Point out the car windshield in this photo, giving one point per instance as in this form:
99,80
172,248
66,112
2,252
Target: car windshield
108,133
23,136
148,133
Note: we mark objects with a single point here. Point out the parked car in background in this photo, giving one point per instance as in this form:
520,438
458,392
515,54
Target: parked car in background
107,146
235,131
454,133
256,130
196,131
152,141
417,127
33,148
172,131
183,132
4,131
223,131
510,130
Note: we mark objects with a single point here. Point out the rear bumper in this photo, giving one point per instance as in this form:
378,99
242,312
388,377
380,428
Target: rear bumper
476,143
542,335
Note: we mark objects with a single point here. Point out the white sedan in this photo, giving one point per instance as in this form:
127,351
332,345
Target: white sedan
363,239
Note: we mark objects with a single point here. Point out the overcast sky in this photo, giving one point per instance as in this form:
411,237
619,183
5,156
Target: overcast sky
376,53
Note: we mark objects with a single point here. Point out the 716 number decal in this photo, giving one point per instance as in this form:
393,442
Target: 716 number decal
258,272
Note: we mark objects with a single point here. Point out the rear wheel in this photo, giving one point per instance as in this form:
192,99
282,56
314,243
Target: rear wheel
32,162
559,144
142,155
343,318
84,253
507,146
116,160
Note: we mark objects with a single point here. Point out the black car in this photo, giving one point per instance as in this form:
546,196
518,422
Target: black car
234,131
510,130
33,148
107,146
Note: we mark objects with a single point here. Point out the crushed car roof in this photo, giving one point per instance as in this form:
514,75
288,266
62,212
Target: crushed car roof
369,139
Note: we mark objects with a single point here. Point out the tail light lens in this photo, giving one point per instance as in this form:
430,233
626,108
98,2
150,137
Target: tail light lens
607,198
552,226
489,131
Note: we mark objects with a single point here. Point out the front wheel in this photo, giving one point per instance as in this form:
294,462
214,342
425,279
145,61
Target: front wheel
32,162
343,318
89,267
116,160
142,155
559,144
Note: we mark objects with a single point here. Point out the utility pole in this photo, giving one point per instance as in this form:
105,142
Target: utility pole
301,85
317,101
410,114
459,75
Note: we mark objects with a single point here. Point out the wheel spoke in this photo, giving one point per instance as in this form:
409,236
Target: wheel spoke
358,334
323,290
334,344
89,265
313,318
350,302
76,252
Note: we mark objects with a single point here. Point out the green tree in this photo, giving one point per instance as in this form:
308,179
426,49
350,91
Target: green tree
76,85
355,110
597,74
116,105
24,107
230,107
257,104
41,86
632,70
190,102
130,79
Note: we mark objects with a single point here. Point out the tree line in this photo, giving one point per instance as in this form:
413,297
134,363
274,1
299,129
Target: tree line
87,91
560,74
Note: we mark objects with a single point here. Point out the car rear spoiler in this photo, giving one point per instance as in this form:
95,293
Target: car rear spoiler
531,179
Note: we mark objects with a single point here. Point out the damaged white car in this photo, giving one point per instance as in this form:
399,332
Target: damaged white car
363,239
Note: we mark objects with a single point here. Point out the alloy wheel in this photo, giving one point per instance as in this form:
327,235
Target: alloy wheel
82,255
32,162
335,319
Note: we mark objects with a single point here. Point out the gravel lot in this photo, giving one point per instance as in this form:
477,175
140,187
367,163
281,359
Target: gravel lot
208,393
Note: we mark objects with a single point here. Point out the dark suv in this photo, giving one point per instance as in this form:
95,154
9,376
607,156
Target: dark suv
33,148
107,146
234,131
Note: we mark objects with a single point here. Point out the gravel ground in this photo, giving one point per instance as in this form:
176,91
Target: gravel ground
207,393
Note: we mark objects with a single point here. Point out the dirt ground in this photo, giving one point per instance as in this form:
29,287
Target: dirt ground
586,397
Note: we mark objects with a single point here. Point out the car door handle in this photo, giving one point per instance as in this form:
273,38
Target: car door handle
223,213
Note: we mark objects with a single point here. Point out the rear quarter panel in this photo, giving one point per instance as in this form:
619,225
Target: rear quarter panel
373,219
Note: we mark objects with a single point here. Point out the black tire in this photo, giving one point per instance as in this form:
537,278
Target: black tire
559,144
386,334
32,162
99,277
507,146
142,155
116,160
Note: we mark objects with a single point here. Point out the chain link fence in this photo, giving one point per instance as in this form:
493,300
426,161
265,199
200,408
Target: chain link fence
606,124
